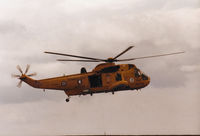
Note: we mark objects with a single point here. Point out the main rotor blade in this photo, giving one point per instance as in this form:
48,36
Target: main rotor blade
73,56
27,68
151,56
18,67
19,84
123,52
79,60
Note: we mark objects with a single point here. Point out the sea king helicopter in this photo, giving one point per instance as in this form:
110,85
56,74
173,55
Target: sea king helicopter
105,77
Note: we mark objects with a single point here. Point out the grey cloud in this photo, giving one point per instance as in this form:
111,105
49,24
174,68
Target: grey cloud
190,68
11,27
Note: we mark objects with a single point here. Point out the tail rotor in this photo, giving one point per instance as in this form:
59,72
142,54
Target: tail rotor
23,75
33,74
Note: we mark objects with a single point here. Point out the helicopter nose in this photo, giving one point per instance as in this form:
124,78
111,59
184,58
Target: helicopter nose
148,81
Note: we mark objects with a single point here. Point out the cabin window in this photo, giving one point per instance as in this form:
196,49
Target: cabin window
118,77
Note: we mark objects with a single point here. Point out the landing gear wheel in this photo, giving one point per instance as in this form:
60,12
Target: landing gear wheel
67,100
113,92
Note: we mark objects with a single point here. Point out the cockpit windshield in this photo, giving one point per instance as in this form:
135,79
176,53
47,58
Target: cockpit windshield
138,73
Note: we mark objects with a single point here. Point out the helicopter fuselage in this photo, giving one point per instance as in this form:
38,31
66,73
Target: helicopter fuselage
106,77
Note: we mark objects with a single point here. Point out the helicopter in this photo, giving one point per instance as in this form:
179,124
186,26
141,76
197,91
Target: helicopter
105,77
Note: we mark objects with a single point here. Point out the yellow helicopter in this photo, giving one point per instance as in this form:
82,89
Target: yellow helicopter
105,77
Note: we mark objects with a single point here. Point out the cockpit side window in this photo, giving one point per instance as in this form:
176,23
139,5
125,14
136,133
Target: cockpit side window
137,73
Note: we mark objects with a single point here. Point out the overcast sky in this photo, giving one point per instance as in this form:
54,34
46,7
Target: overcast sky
102,29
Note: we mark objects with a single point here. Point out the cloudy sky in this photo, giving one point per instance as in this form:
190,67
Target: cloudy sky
101,28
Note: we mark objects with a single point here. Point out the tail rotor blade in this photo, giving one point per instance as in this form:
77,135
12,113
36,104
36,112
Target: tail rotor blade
19,84
14,76
33,74
19,68
27,68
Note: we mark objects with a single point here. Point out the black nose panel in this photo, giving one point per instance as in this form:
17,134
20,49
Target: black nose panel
144,77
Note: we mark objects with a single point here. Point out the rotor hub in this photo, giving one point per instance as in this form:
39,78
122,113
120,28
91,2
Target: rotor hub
22,77
110,60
